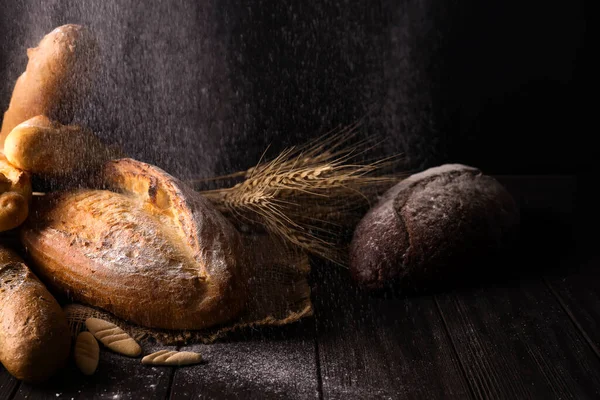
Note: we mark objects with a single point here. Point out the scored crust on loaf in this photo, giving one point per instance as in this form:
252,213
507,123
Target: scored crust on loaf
430,224
87,353
58,74
177,206
113,337
149,250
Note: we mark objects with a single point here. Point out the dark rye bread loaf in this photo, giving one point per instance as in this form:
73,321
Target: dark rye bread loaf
431,225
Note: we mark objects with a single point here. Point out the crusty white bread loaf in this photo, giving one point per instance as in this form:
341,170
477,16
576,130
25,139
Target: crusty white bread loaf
34,335
149,249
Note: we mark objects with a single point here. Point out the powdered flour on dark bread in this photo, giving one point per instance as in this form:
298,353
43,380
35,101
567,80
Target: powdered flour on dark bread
430,225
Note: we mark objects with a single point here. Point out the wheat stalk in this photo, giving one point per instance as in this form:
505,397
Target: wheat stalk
308,195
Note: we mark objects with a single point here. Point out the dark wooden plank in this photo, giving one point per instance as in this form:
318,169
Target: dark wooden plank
578,291
8,384
117,377
376,347
275,363
515,341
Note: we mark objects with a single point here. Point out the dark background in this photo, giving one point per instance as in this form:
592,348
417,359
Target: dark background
202,87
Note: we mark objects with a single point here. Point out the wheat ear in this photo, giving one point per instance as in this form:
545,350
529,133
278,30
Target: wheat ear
309,196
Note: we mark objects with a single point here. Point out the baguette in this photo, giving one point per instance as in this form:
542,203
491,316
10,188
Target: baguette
57,77
150,250
34,335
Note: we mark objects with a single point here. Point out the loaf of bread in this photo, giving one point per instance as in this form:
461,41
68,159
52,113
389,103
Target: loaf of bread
430,226
57,77
148,249
46,147
34,335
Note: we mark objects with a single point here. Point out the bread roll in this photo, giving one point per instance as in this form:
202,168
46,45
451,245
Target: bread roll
57,76
46,147
15,195
34,335
430,226
149,250
172,358
87,353
113,337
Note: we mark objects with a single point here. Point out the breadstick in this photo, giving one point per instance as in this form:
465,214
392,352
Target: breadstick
34,334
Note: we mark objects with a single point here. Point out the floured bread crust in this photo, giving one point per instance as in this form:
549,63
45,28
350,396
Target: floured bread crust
172,358
15,195
148,249
87,353
34,335
113,337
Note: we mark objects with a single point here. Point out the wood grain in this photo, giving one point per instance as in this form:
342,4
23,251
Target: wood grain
8,384
579,293
273,363
374,347
514,338
117,377
515,341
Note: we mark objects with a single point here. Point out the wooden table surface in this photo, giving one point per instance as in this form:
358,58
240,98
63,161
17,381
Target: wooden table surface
527,328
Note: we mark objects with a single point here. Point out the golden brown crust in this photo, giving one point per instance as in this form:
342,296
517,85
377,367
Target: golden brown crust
87,353
15,195
56,77
46,147
157,254
431,227
34,335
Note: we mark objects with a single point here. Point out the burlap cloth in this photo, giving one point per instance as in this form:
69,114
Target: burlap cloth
279,294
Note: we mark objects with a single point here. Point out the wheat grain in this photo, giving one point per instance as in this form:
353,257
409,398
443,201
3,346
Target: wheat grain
309,195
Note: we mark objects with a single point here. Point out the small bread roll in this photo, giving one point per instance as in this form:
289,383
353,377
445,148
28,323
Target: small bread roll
57,77
34,335
15,195
46,147
113,337
172,358
87,353
150,250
